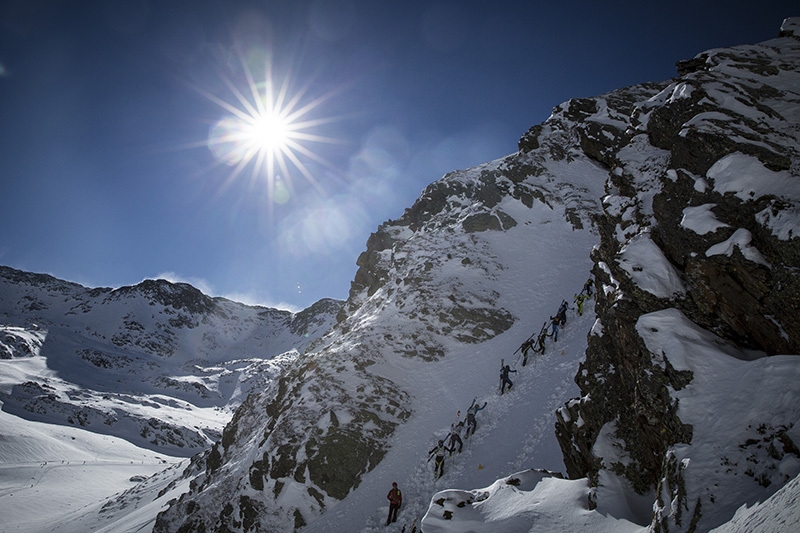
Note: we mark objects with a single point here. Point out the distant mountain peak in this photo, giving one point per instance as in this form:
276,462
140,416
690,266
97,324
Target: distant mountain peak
143,356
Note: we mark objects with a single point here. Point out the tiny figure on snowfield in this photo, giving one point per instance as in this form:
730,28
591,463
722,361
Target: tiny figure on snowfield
395,498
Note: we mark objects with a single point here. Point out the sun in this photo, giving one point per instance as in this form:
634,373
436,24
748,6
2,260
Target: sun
268,130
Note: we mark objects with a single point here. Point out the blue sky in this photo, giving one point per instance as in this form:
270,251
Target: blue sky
111,165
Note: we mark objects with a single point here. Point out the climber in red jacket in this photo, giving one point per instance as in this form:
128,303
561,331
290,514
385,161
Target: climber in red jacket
395,498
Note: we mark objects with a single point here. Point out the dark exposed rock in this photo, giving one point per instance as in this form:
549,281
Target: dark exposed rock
482,222
530,141
731,296
749,300
687,66
175,295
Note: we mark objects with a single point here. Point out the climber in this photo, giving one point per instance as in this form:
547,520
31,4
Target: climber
554,325
455,437
540,341
579,298
525,347
587,287
438,452
561,315
472,424
504,378
395,498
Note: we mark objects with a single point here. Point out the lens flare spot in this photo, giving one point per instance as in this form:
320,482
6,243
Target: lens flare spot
281,193
220,142
324,228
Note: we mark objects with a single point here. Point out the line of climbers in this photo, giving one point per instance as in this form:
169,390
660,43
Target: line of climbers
448,445
536,342
454,438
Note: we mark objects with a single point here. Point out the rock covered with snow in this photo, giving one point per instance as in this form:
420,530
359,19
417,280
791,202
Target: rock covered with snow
697,284
791,27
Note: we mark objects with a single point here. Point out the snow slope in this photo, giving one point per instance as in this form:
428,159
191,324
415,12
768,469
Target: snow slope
778,514
739,406
158,364
726,403
413,352
58,478
102,388
515,431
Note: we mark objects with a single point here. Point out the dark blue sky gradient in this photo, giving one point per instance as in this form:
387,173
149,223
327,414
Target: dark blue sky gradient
106,179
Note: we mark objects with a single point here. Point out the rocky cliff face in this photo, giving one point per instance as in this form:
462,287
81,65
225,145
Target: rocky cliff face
700,216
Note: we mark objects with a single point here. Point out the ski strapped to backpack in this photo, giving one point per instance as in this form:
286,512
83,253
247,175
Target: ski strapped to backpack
502,364
529,339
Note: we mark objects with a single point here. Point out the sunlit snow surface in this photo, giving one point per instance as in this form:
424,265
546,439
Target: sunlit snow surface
58,478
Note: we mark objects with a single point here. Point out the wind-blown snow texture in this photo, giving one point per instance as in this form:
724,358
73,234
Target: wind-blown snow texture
443,294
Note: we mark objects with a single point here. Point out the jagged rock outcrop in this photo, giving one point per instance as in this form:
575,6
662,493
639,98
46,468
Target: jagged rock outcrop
325,427
700,217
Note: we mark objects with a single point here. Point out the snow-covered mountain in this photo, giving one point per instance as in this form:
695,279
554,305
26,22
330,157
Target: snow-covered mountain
439,297
674,396
159,364
684,194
